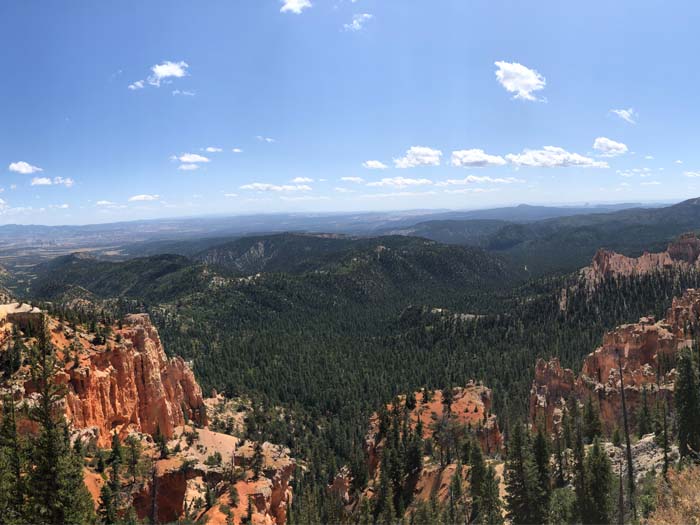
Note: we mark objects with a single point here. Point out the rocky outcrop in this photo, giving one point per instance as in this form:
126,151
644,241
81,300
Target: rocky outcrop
471,407
128,384
682,253
646,350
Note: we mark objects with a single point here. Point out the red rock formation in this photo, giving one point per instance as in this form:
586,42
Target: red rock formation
129,384
682,253
471,406
647,351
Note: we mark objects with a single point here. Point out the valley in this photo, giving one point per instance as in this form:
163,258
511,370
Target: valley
298,350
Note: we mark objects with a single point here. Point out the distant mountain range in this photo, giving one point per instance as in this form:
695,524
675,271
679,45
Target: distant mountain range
537,239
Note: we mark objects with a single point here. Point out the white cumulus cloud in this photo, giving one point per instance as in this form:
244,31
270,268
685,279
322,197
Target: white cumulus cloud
166,70
294,6
475,158
212,149
237,150
355,180
553,157
609,148
301,180
23,167
518,79
190,158
139,84
419,156
188,167
691,173
41,181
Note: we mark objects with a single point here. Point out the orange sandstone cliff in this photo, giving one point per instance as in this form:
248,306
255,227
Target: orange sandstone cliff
124,383
129,384
470,408
682,253
646,350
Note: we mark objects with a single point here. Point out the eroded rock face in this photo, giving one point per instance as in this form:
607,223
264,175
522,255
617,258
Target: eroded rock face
646,350
471,406
682,253
129,384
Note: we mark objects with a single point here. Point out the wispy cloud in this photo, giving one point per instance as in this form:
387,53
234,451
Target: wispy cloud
374,165
261,138
302,180
354,180
628,115
474,179
358,22
400,182
265,186
213,149
144,197
58,181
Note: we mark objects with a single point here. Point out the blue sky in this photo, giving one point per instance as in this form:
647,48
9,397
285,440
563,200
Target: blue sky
118,110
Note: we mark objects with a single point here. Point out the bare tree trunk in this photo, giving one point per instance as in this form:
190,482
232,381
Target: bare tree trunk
630,466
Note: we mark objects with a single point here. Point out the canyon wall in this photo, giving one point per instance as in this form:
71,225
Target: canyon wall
646,351
128,384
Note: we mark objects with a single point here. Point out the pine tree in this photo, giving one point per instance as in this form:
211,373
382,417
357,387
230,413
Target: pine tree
596,508
11,465
579,470
522,501
490,501
687,405
161,443
258,460
644,420
591,421
55,488
133,456
107,509
116,455
456,510
541,456
387,516
477,474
